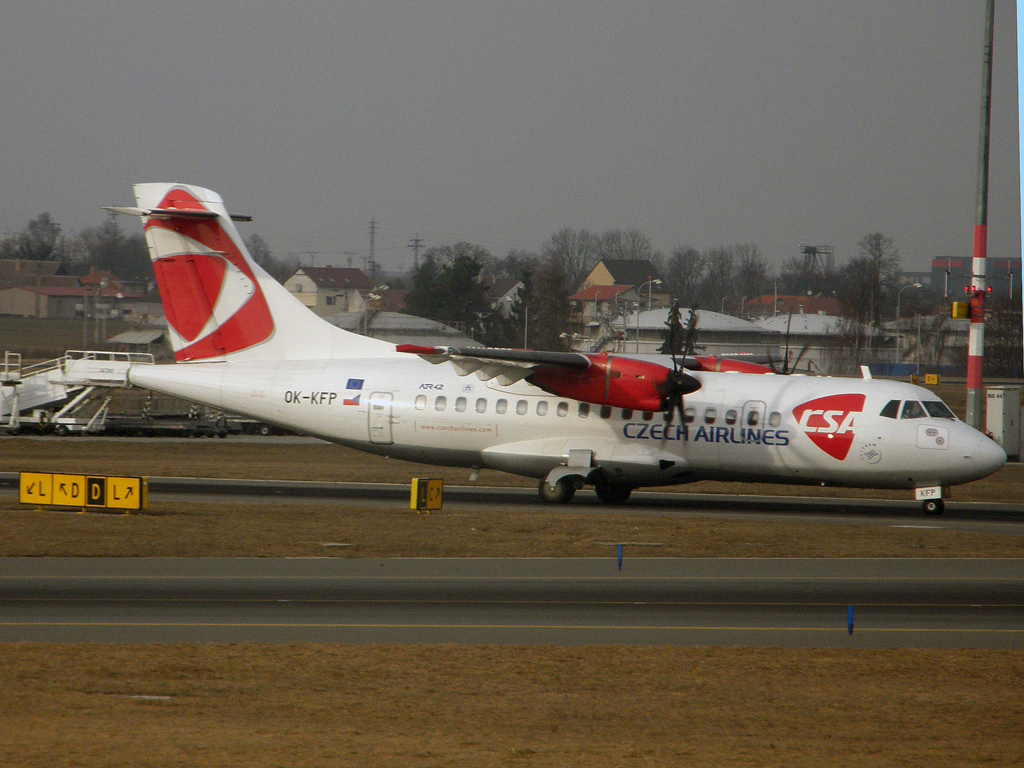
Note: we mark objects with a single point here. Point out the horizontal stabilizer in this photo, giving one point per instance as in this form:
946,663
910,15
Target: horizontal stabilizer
170,213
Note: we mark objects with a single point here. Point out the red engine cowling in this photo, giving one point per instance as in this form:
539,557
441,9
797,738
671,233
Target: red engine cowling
616,381
718,364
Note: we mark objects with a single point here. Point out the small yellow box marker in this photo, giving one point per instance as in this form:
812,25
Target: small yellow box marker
427,494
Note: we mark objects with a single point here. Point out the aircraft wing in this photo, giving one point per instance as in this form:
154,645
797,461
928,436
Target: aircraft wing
619,382
506,365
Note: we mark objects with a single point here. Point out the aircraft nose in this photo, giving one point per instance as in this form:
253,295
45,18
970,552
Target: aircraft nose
986,455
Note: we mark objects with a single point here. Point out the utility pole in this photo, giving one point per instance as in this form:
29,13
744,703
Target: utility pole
373,264
976,337
415,243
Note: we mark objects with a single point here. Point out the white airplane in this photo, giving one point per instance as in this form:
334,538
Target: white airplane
246,345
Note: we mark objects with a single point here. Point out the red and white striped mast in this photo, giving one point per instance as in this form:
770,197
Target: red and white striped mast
976,338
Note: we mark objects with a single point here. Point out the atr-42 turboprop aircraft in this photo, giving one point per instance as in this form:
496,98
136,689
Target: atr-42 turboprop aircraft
246,345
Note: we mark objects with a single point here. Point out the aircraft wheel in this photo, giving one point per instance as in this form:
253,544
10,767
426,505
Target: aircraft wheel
934,507
559,493
612,493
61,430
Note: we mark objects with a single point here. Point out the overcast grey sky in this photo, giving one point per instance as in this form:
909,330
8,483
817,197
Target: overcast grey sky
772,122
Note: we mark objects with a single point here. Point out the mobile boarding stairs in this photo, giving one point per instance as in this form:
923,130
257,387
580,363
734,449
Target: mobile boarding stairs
76,387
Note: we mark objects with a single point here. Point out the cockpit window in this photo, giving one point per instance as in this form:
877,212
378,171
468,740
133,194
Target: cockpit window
891,410
913,410
938,409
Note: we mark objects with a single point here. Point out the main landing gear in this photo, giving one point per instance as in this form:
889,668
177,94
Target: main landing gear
563,489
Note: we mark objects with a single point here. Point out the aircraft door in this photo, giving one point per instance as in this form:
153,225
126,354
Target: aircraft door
381,404
753,415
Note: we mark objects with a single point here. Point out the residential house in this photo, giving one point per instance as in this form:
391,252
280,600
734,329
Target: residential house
330,290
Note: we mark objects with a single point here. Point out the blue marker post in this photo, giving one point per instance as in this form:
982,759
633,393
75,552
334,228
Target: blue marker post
849,620
620,557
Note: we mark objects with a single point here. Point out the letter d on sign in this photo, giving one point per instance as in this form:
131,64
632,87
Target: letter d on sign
96,491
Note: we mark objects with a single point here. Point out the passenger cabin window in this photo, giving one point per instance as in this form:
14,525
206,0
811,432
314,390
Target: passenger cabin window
627,414
460,404
501,406
481,405
710,415
522,407
542,407
913,410
891,410
563,408
730,417
689,414
606,411
774,419
648,415
938,410
753,418
421,402
441,403
584,410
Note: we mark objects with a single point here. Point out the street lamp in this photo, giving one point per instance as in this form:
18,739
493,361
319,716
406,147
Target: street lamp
899,330
650,290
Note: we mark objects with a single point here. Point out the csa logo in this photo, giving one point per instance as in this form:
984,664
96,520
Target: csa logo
828,422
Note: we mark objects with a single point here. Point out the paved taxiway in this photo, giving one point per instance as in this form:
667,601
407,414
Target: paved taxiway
795,603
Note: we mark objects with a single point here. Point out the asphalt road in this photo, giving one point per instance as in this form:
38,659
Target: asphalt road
770,602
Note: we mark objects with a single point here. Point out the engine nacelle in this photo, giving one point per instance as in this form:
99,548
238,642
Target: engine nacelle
714,364
619,382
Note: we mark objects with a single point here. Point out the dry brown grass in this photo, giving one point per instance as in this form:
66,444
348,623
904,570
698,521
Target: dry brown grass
329,705
175,529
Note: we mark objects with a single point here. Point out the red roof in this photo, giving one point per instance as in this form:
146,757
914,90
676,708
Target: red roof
600,292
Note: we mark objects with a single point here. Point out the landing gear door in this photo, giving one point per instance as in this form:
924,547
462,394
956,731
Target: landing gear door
380,417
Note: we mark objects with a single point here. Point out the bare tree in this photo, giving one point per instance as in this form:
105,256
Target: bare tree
869,282
753,274
576,250
718,284
684,273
